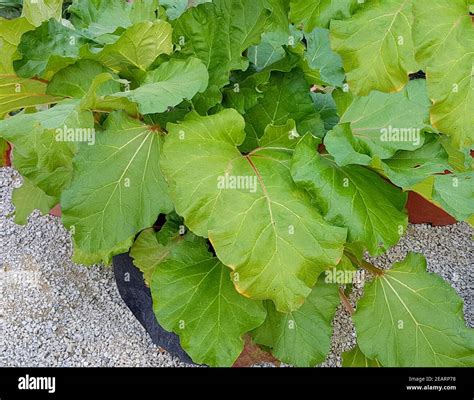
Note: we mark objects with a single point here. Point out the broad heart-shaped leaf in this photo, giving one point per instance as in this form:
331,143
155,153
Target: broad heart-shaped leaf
302,337
10,35
38,11
193,296
355,358
76,80
137,47
353,197
321,57
45,143
99,19
408,317
380,125
287,96
376,46
455,193
218,33
451,87
260,224
28,198
444,39
169,85
17,93
117,189
319,13
437,27
408,168
47,49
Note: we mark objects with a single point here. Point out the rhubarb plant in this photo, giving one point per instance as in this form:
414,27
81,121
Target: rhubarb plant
274,141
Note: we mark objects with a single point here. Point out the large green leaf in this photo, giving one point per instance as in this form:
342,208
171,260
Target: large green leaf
38,11
319,13
287,96
45,143
451,88
408,317
117,189
455,193
169,85
99,19
376,46
437,27
76,80
10,35
353,197
218,33
17,93
28,198
260,224
137,47
302,337
380,125
193,296
47,49
444,39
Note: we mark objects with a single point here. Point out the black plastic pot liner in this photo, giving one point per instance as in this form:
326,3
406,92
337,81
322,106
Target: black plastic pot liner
137,297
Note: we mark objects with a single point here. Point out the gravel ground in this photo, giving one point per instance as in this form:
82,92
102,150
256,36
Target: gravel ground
56,313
